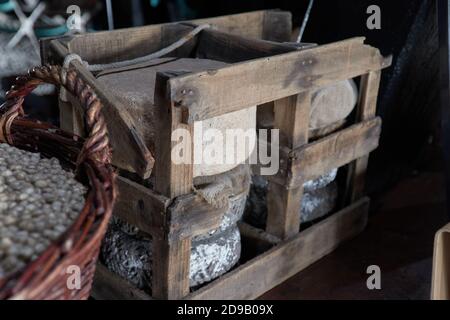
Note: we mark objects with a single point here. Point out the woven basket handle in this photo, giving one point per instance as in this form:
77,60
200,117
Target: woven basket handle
96,146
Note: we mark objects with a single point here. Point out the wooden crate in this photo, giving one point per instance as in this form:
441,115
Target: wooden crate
170,212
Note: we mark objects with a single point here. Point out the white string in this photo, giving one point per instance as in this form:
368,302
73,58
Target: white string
67,60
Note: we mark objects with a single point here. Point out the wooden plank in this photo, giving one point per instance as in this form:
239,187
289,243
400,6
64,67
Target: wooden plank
283,210
173,32
122,44
249,25
66,113
172,179
277,26
220,46
255,241
109,286
292,119
260,235
283,204
336,150
266,271
47,50
190,216
171,260
186,216
134,156
141,206
171,268
216,92
367,106
131,153
113,46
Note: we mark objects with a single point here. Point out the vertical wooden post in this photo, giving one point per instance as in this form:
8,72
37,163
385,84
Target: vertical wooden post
71,117
171,259
283,204
367,106
170,269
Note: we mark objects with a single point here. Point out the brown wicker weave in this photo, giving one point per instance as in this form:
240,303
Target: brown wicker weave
47,276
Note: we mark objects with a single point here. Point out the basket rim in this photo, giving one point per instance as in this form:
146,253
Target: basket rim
90,157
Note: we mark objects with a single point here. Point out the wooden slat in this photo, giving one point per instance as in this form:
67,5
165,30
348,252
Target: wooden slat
283,210
336,150
109,286
171,33
242,85
187,216
255,241
220,46
171,260
131,152
112,46
67,116
369,86
292,119
107,46
248,24
171,268
367,106
248,231
122,44
283,204
171,179
288,258
277,26
190,216
141,206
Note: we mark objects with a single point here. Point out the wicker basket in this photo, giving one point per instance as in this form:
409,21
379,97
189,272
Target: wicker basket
47,276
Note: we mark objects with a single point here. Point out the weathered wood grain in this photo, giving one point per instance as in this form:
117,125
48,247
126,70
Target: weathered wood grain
171,262
277,26
123,44
334,151
141,206
267,79
171,268
190,215
109,286
172,179
283,204
252,279
221,46
131,152
248,231
367,106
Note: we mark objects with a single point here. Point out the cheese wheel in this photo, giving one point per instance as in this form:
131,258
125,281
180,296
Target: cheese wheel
319,199
128,252
330,106
332,103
